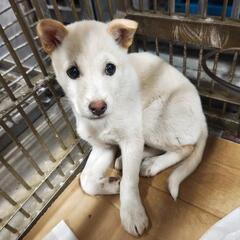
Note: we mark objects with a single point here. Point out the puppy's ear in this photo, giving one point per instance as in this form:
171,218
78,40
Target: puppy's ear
123,31
51,34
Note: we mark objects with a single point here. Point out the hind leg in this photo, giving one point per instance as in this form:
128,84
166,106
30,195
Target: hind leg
148,152
92,178
153,165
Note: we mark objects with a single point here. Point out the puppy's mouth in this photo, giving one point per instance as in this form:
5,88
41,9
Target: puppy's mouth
96,117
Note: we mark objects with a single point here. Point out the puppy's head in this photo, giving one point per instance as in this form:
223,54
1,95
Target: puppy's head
89,59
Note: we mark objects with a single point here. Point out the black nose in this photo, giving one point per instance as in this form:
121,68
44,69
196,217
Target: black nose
97,107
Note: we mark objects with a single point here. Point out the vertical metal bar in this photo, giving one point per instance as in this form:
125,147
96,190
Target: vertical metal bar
60,171
37,135
144,43
125,3
14,173
99,10
56,11
7,197
38,9
11,201
49,184
171,7
157,46
233,67
203,5
75,14
23,150
28,35
224,10
235,9
70,159
37,198
171,53
224,108
187,8
11,229
140,5
29,84
88,9
155,5
184,58
109,2
199,71
215,63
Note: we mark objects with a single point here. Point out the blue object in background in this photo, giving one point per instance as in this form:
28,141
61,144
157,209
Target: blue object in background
214,7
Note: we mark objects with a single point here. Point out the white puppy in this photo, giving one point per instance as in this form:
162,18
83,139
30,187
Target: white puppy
127,101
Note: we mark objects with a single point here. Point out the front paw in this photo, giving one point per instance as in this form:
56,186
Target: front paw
134,218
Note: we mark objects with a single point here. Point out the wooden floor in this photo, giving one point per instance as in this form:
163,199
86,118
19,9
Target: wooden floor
206,196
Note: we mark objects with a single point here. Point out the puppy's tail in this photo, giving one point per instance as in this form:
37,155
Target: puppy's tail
188,166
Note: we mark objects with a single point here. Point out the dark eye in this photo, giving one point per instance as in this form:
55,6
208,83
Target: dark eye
73,72
110,69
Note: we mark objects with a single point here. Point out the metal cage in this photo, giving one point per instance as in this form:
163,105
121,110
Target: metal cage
40,152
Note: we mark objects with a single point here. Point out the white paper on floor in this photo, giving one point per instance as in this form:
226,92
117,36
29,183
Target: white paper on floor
60,232
227,228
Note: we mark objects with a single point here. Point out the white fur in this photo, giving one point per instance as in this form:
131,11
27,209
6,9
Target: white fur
149,102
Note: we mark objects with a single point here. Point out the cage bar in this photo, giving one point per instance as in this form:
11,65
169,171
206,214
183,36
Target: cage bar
30,85
41,65
28,35
233,67
184,59
235,9
38,9
157,46
12,202
74,10
33,192
11,229
215,64
110,8
224,10
171,7
21,147
199,70
88,8
99,10
56,10
203,4
187,8
171,52
14,173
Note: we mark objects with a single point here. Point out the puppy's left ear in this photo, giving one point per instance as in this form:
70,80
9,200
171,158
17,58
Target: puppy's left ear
123,31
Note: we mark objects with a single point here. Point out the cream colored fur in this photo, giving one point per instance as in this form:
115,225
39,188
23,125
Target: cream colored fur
149,102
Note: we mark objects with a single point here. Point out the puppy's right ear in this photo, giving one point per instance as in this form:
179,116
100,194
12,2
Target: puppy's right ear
51,34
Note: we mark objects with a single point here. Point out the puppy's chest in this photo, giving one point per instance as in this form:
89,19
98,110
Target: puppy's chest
100,134
109,136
